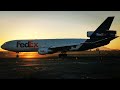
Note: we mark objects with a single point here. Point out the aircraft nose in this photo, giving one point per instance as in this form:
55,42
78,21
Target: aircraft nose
3,46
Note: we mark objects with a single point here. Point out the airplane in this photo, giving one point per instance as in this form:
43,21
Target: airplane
100,37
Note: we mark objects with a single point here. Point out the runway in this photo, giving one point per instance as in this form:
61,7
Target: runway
54,68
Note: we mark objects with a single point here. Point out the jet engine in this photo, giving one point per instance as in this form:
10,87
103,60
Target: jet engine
107,33
44,51
96,35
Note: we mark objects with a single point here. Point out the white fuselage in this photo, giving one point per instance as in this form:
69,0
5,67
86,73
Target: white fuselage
34,45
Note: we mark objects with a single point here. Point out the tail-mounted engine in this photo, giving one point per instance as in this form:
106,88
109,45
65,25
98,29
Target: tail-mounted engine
108,33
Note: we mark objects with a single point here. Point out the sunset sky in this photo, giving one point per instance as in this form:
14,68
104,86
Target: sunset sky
54,24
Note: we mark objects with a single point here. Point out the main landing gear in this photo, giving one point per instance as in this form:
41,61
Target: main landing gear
99,54
63,55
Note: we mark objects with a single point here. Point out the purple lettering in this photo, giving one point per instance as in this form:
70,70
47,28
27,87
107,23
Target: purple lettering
28,44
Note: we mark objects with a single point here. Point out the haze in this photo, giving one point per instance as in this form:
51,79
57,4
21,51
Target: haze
54,24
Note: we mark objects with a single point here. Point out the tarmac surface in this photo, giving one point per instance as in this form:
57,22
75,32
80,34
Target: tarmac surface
55,68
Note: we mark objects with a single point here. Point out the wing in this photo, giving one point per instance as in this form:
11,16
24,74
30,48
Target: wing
65,47
88,44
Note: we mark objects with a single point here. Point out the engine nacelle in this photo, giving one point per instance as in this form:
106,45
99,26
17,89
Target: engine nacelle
44,51
97,34
107,33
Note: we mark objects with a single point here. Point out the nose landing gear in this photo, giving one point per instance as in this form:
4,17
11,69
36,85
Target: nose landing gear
17,56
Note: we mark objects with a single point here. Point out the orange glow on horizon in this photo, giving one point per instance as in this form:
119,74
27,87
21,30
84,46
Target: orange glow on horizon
29,55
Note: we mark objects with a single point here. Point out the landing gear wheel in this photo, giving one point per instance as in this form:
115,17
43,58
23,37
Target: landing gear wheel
17,56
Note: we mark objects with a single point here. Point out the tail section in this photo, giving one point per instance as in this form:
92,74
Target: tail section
101,36
103,30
